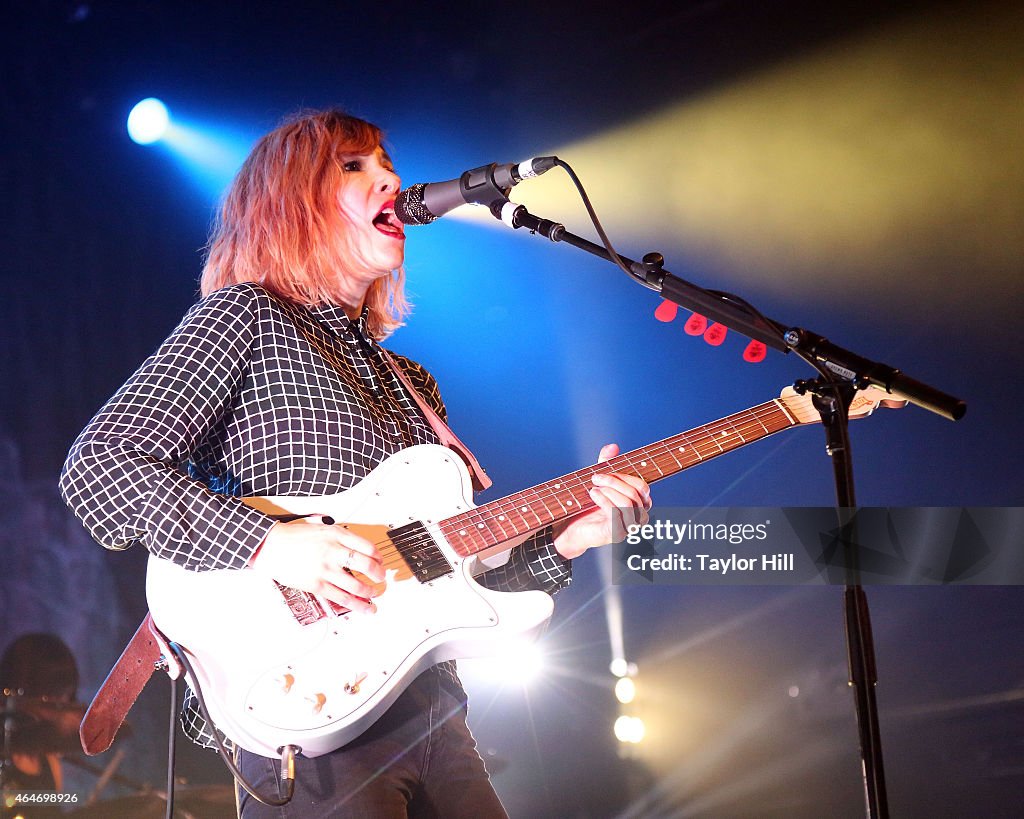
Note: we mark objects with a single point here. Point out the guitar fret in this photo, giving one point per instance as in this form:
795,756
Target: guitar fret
708,440
694,449
736,431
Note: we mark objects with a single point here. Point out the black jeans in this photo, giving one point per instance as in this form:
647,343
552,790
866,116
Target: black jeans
418,760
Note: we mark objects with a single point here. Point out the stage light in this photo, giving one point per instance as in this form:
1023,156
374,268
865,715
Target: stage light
625,690
518,663
629,729
620,667
148,121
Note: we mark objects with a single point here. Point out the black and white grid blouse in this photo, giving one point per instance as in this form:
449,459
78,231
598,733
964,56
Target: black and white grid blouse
253,396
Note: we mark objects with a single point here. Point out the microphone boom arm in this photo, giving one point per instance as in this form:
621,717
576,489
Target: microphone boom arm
742,318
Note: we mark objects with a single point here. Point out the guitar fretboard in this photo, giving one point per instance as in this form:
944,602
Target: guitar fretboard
531,509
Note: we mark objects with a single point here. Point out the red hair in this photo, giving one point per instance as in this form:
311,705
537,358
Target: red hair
279,223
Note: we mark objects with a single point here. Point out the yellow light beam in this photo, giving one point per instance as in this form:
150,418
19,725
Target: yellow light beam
887,167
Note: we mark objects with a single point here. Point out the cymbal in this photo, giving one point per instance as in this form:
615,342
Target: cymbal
42,725
201,801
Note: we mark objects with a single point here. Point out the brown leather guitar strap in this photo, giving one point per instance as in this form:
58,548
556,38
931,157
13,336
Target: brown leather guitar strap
441,429
120,689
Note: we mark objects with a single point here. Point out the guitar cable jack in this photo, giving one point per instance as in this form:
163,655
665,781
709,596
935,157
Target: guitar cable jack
288,753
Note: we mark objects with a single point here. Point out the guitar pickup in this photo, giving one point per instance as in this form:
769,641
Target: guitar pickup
420,553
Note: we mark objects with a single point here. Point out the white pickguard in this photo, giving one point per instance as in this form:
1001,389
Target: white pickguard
270,681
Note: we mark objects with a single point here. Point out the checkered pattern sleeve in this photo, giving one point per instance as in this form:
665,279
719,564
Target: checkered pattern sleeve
126,475
535,563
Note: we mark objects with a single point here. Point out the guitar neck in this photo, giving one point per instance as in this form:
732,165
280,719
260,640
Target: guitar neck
531,509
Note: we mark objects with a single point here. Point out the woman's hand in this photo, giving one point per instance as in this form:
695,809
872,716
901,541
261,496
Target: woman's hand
622,500
322,559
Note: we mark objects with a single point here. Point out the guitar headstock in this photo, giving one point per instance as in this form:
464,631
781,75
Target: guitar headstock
864,403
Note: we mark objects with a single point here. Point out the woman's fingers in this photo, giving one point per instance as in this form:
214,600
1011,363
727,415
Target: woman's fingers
347,590
358,554
324,559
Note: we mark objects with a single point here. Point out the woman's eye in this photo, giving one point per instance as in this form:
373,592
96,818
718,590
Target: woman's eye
353,165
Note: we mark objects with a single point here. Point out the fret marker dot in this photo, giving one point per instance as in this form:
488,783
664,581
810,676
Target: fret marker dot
523,509
568,503
501,517
682,449
558,486
479,526
724,432
643,463
462,532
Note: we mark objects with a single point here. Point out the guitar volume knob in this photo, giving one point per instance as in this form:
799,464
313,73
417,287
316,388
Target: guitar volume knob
352,687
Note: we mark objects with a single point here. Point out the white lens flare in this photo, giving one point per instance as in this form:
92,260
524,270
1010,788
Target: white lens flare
148,121
629,729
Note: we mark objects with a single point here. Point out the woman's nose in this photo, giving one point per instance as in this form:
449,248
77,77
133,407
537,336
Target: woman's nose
389,182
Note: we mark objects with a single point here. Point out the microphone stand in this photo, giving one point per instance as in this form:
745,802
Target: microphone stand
841,374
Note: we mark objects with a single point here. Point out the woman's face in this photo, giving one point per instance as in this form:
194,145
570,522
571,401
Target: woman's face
374,242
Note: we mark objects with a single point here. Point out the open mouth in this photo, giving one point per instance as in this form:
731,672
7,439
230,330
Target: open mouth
387,223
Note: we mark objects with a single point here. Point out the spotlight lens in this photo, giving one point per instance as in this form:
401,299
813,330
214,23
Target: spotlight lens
629,729
148,121
619,667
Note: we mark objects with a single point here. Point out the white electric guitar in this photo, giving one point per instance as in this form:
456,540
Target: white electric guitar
279,666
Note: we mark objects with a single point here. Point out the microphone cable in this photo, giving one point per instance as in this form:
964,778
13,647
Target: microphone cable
725,296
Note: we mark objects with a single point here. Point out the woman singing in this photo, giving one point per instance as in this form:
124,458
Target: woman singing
275,384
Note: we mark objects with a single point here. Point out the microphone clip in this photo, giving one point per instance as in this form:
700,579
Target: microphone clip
488,184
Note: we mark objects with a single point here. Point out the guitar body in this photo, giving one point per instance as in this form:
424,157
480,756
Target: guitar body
270,680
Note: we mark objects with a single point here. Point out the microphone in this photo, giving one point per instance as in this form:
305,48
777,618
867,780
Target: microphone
421,204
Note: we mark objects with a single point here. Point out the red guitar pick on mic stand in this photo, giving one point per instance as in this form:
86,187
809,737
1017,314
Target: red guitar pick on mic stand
756,351
666,311
715,334
697,325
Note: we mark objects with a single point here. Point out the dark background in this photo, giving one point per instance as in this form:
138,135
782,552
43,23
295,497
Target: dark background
855,168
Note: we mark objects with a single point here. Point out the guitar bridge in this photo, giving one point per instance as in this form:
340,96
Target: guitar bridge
304,606
420,553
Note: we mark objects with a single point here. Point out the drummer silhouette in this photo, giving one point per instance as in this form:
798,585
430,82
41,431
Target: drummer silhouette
38,680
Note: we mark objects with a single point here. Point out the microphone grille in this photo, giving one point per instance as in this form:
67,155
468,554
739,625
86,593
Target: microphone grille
409,207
